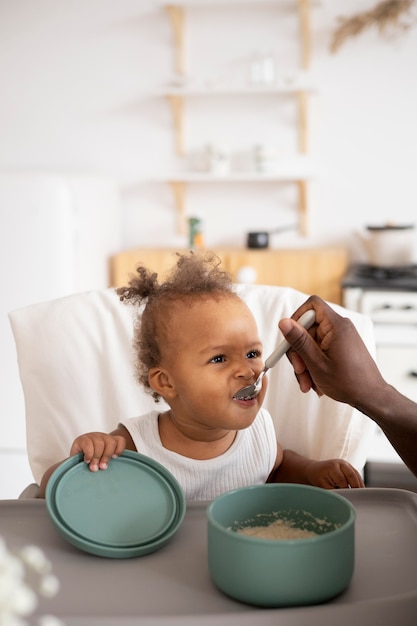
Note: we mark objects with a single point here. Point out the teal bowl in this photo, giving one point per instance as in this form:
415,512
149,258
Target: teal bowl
281,572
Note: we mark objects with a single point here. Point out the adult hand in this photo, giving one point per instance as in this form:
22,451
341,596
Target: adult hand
331,357
334,360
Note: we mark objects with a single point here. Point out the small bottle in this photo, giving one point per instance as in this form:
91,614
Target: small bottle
255,69
268,68
195,233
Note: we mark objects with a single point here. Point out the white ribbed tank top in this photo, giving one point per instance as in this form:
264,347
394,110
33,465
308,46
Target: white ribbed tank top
248,461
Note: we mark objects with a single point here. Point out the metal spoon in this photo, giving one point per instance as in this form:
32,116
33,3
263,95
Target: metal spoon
251,391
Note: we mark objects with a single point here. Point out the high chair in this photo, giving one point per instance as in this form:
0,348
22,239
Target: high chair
76,367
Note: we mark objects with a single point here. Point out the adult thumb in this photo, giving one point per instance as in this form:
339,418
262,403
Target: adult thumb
298,338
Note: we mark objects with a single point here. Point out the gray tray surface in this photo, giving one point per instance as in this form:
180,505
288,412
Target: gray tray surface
172,587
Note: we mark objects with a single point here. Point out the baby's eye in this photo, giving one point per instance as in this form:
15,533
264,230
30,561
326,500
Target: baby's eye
254,354
219,358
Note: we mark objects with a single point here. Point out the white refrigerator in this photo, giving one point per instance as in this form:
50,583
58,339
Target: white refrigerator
56,235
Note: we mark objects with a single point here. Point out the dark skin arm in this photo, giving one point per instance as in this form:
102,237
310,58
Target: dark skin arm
332,359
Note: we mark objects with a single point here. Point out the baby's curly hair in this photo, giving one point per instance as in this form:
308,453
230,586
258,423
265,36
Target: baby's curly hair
193,277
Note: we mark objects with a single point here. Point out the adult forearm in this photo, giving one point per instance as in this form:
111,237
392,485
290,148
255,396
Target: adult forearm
396,415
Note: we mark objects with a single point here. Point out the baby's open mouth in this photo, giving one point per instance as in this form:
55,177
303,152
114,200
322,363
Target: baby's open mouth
244,397
250,391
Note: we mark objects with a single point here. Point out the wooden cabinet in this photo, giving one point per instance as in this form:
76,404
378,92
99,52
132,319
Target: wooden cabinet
311,270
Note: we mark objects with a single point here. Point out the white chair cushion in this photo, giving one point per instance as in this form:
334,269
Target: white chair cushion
76,367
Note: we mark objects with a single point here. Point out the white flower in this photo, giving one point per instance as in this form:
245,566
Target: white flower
22,576
35,558
22,600
49,586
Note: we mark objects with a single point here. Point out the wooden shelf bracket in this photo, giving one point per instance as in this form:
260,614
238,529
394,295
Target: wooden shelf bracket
177,106
305,32
179,188
302,100
176,15
302,207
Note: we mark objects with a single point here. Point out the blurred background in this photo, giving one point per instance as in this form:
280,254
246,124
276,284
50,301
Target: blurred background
119,121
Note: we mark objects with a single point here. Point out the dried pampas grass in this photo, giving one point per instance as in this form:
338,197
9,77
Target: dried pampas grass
399,14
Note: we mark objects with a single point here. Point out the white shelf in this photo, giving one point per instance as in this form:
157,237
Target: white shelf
279,88
214,3
286,169
205,3
202,177
289,175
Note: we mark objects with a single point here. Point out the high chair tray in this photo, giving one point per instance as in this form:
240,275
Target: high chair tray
172,587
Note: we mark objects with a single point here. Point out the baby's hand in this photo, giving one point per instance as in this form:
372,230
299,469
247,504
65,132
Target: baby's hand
334,474
98,449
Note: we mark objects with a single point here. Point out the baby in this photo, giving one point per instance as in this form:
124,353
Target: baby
197,344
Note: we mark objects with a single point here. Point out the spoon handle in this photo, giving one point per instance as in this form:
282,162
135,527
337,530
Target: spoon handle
307,319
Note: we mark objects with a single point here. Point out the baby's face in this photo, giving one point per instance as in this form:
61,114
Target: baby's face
214,352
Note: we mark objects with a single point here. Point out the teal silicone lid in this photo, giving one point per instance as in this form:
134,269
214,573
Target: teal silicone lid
130,509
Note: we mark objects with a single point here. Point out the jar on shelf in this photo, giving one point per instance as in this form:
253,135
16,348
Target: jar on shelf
217,159
262,68
265,159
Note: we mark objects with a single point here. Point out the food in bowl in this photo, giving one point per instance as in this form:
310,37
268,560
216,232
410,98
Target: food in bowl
294,524
279,529
283,572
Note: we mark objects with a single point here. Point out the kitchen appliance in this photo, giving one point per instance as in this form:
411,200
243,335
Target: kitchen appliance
388,295
389,245
260,239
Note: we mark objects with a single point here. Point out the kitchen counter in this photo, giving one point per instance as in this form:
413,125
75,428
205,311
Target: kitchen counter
172,587
310,270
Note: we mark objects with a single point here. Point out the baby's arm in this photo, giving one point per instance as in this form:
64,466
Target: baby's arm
98,449
329,474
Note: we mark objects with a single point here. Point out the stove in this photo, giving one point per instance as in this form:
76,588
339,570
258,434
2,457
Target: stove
376,278
388,296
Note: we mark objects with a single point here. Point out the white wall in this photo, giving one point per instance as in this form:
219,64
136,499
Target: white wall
72,74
